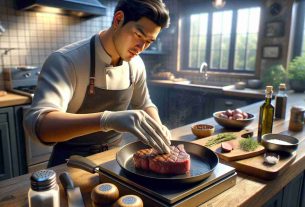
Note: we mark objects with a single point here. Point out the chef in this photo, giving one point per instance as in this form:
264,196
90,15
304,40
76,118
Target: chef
91,91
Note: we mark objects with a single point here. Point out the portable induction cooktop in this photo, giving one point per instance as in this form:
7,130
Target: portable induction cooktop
162,194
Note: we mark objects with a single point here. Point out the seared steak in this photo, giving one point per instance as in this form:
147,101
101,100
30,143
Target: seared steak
175,162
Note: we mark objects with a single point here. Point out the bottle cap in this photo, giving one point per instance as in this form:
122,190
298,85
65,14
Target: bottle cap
129,201
269,89
104,194
282,86
43,180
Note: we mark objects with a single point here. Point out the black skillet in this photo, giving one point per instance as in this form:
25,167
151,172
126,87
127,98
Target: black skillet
203,162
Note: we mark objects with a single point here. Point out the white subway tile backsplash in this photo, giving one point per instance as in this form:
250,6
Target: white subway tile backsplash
36,35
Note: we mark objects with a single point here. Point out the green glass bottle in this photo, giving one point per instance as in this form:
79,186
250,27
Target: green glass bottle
266,114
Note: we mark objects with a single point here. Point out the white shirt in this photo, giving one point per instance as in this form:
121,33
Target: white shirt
64,79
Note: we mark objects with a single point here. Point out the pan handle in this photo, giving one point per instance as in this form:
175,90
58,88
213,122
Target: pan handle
83,163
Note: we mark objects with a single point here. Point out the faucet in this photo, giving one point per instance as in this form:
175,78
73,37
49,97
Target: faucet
2,29
204,67
6,50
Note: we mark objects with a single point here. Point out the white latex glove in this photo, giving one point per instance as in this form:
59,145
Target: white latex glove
139,123
167,133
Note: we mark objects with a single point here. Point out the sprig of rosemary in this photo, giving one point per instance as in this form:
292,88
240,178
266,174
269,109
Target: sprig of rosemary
220,138
248,144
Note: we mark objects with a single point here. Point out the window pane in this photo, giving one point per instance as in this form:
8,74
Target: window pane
215,57
221,35
216,43
198,33
303,48
246,39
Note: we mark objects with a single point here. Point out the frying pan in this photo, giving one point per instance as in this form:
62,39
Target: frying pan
203,162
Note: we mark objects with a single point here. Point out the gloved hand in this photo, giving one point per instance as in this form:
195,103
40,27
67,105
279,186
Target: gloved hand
167,133
139,123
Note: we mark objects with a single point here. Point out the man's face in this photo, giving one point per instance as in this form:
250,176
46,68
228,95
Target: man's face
134,37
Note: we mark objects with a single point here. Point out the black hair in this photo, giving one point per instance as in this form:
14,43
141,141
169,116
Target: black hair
155,10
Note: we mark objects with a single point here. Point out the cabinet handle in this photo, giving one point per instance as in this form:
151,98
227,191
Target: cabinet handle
228,103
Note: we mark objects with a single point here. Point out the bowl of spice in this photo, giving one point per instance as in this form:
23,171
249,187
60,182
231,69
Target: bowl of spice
203,130
280,142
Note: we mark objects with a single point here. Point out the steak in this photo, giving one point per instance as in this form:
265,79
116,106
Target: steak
176,162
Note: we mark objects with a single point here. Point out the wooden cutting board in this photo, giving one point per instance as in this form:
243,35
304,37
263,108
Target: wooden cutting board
255,166
236,153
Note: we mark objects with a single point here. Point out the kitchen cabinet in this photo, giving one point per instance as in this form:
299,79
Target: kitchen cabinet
18,154
37,154
276,201
302,203
222,103
178,107
291,195
185,107
159,96
9,166
181,106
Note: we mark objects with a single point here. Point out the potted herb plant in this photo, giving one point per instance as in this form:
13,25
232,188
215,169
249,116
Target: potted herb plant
274,76
296,74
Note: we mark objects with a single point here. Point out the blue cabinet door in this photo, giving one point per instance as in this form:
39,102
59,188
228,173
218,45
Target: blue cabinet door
292,192
9,166
6,170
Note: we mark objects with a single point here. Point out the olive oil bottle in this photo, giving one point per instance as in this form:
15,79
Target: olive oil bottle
281,102
266,114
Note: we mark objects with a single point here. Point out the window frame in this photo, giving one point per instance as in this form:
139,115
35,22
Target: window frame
184,37
299,29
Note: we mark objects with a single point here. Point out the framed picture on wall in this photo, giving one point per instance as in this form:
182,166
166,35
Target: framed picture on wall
274,29
271,51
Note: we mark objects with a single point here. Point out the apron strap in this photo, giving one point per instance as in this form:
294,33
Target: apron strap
92,66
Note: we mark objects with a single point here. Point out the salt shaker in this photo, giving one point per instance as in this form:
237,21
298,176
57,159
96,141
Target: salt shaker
44,189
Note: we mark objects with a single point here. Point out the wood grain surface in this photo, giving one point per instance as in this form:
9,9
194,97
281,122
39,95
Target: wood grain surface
11,99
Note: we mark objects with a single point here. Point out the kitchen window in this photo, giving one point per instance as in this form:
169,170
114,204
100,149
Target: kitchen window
303,40
226,40
299,49
303,49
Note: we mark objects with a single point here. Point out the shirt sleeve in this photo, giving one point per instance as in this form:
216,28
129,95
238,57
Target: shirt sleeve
54,90
140,97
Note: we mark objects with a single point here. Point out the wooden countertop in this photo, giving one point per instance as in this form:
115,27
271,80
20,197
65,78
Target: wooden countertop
12,99
248,191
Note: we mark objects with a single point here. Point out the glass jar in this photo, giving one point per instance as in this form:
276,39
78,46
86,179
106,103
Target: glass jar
296,121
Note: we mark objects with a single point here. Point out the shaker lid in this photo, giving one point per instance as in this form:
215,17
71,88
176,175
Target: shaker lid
43,180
